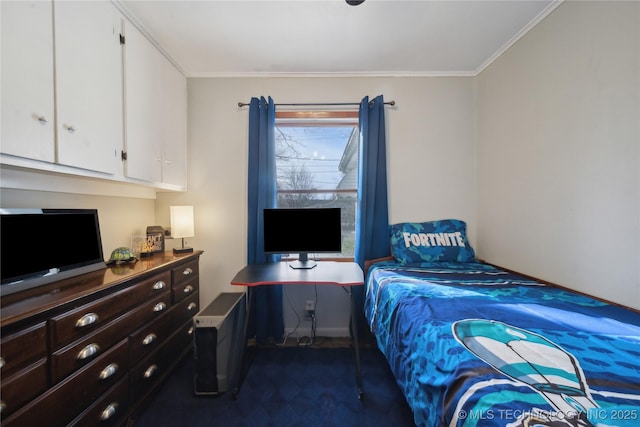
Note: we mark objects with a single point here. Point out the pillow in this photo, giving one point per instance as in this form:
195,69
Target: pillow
433,241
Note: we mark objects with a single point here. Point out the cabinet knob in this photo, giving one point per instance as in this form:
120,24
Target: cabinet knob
190,331
149,339
70,128
187,271
108,371
159,307
159,285
43,120
2,406
88,351
109,411
1,362
192,306
187,289
150,371
87,320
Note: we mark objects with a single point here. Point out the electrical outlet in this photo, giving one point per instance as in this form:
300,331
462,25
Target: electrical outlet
309,309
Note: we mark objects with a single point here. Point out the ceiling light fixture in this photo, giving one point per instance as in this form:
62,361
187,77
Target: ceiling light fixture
354,2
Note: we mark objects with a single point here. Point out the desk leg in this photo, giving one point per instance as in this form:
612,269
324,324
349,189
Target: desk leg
356,345
240,371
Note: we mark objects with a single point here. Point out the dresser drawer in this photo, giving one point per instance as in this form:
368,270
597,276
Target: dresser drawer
184,272
21,348
23,386
76,323
109,410
62,403
185,288
184,310
148,373
80,352
182,342
146,339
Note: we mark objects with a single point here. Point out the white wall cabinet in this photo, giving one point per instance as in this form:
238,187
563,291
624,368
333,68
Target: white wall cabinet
86,95
27,121
89,85
64,107
155,111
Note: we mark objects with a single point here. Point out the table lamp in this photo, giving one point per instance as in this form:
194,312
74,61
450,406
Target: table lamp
181,225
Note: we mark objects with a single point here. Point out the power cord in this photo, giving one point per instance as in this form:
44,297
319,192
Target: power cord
303,341
295,330
307,341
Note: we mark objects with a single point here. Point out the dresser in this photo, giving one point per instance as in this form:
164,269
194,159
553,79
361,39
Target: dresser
90,350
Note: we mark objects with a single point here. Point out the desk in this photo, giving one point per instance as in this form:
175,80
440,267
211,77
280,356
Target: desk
344,274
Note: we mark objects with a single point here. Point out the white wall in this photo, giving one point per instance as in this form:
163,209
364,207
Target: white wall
559,151
430,147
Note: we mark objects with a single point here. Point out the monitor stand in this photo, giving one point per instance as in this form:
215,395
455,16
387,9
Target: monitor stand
303,262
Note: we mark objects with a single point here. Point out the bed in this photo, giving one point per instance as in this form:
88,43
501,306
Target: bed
471,344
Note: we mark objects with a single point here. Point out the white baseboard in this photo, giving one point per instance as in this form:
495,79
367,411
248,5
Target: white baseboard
320,332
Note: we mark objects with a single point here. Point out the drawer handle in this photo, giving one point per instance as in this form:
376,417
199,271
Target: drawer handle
88,351
192,306
109,411
149,339
187,289
86,320
150,371
108,371
187,271
1,362
190,331
159,285
159,307
2,406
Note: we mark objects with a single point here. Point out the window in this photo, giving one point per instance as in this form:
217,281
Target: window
317,165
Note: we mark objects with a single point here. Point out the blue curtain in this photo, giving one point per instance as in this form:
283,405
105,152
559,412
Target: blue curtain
372,215
266,322
372,235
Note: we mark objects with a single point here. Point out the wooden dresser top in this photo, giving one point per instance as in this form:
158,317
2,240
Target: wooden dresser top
22,305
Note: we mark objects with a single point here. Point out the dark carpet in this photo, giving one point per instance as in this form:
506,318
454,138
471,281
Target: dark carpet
288,386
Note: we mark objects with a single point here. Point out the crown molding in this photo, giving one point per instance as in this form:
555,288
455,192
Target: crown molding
535,21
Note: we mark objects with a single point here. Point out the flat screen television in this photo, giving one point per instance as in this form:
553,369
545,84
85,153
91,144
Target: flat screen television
302,231
40,246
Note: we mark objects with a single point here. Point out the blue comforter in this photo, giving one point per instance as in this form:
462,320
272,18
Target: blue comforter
471,345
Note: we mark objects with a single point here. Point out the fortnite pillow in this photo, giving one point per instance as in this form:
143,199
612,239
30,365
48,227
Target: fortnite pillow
434,241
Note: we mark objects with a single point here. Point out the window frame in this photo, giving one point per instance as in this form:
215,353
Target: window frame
319,118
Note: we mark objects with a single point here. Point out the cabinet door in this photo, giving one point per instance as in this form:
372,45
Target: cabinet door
27,79
155,109
89,85
143,85
174,143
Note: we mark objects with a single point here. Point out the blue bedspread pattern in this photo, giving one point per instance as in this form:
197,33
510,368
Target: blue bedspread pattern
472,345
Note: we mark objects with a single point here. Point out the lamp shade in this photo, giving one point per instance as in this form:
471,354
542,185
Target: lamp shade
181,221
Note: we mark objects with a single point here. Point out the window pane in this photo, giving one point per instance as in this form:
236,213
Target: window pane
317,166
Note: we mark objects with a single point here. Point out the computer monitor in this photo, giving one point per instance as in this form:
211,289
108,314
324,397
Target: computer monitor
302,231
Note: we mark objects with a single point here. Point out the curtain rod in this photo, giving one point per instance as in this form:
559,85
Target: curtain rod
330,104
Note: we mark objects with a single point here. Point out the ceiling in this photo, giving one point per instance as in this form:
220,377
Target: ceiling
331,38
